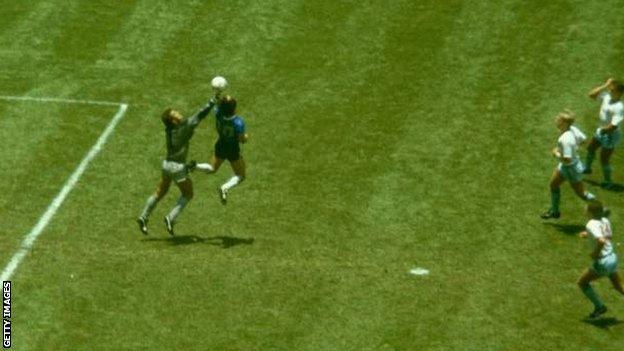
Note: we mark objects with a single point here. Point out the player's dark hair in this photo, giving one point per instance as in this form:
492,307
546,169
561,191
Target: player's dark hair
618,86
595,209
227,105
165,117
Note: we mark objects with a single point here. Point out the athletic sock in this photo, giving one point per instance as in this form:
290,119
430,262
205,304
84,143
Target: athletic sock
206,167
149,206
589,159
592,296
589,196
177,209
555,196
231,183
606,172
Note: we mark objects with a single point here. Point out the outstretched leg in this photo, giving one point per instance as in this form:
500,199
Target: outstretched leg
616,280
239,169
584,284
211,167
555,195
579,189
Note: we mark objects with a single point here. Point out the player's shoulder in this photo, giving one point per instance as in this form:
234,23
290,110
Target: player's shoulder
593,225
568,136
238,120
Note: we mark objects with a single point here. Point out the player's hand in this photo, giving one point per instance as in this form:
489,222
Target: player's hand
609,81
217,93
583,234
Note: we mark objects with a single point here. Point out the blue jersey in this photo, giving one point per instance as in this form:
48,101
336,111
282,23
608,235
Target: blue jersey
229,128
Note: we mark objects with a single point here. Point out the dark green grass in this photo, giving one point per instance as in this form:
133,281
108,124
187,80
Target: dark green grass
384,137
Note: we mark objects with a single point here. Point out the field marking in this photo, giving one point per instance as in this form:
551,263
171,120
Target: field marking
34,233
419,271
59,100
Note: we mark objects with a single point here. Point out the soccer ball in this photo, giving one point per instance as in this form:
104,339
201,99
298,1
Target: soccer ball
219,83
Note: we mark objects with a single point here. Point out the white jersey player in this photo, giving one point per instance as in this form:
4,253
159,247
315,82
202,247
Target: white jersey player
604,259
608,135
570,167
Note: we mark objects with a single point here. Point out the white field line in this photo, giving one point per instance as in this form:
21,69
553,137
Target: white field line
58,100
34,233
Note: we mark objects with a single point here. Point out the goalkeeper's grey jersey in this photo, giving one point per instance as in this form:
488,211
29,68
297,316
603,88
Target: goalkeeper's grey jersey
178,137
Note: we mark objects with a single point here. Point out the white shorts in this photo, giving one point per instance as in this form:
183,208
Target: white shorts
175,170
572,173
608,140
605,266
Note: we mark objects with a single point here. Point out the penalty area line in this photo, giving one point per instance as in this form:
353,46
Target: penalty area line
70,183
59,100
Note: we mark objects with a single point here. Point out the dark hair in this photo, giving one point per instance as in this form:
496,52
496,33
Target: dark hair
618,86
165,117
227,105
595,208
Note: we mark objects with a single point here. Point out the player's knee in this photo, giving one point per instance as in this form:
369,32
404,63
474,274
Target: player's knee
161,192
189,194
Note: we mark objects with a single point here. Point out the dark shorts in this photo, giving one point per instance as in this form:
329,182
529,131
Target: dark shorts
227,151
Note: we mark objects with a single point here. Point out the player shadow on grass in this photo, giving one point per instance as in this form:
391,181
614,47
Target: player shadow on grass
223,241
568,229
603,323
615,187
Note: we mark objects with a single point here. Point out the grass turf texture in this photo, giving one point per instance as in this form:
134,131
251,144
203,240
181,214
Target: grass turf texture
383,137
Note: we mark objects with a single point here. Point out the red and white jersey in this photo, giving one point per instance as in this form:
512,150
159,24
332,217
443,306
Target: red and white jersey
600,228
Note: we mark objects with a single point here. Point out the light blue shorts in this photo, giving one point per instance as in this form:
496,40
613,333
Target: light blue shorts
572,173
608,141
605,266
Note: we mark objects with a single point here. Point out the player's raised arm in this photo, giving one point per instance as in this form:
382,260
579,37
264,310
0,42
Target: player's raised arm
597,90
203,112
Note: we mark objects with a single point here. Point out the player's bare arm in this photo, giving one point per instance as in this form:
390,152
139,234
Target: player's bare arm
600,243
597,90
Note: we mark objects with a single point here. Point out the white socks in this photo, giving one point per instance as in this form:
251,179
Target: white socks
231,183
205,167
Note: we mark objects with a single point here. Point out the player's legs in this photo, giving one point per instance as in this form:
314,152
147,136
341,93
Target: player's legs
579,189
150,204
212,167
186,189
583,283
161,191
605,156
555,195
593,145
616,280
238,167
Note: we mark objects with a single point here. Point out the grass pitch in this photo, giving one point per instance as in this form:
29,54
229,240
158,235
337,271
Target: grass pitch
384,136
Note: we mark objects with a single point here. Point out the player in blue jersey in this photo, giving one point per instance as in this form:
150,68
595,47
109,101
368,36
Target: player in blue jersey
231,130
